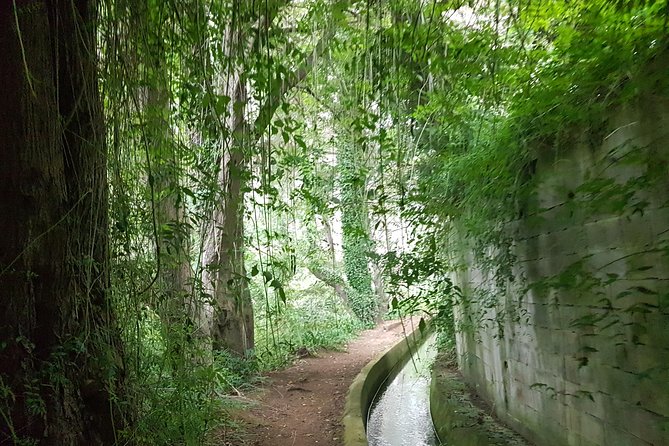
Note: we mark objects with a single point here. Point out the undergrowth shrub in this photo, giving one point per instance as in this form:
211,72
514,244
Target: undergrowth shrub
181,398
312,318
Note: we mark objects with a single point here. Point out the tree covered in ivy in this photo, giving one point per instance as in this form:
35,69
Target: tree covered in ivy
357,245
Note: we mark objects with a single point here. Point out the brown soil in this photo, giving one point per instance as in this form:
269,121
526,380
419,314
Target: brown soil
303,405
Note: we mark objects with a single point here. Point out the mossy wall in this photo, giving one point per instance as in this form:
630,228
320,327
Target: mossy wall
572,348
458,419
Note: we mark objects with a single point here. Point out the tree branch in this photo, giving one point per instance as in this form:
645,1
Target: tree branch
276,97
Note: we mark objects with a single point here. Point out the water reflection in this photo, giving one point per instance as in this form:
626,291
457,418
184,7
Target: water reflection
400,415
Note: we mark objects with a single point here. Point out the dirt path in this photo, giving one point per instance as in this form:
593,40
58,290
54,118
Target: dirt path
303,405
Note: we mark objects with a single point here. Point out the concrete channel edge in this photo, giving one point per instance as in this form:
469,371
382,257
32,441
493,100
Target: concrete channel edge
362,391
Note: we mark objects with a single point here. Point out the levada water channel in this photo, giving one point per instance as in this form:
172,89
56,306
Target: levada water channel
400,413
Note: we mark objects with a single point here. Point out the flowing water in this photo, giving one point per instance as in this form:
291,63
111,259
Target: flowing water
400,413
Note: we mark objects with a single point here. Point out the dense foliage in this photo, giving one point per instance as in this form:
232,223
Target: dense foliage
309,160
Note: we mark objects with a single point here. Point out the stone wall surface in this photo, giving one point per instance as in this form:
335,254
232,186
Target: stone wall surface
573,348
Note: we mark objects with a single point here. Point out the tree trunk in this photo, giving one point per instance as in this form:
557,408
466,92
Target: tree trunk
328,275
331,279
224,277
60,355
329,237
225,274
356,241
380,290
174,274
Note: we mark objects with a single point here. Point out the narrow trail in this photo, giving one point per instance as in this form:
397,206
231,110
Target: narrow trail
303,404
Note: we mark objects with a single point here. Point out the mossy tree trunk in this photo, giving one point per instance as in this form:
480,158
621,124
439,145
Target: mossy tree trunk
356,241
60,355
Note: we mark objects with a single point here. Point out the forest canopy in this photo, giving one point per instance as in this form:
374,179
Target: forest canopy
192,191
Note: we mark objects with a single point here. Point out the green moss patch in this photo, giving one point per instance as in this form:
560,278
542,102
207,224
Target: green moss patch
458,417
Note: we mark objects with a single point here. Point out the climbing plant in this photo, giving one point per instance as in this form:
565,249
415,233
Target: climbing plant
357,245
264,166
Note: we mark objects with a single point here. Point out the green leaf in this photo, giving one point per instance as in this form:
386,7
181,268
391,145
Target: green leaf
268,275
300,142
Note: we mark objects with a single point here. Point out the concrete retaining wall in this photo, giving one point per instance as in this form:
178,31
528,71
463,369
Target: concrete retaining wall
573,349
